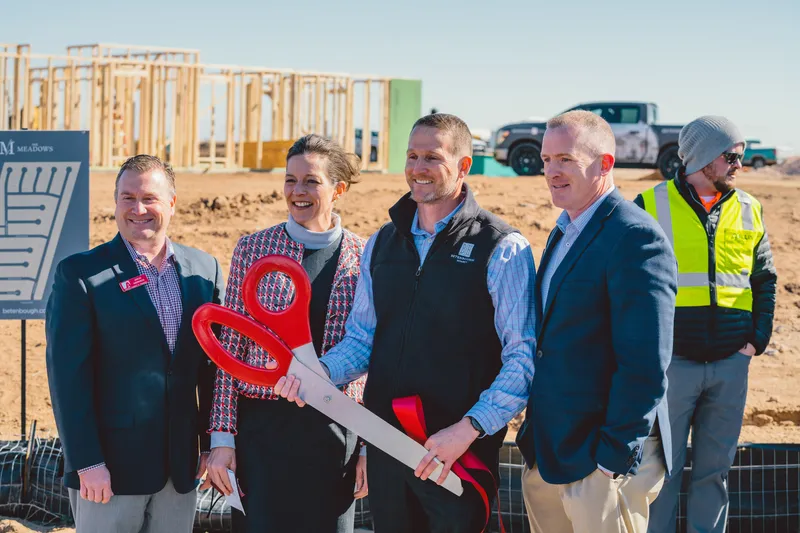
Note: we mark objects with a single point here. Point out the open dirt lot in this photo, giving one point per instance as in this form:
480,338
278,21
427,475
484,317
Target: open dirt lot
215,209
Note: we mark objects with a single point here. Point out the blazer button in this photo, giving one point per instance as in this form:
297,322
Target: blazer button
539,354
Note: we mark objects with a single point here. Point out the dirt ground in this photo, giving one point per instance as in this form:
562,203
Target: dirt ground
214,210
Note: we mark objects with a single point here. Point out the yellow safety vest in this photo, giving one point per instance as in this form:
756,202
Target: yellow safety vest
739,230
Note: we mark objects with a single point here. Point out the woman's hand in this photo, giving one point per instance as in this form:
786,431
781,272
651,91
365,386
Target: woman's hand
219,461
361,478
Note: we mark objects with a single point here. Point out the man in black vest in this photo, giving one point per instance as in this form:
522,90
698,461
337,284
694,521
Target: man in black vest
442,311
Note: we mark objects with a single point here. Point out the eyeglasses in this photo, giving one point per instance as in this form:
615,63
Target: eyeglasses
732,157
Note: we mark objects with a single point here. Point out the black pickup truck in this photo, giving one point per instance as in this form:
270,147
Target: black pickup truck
641,141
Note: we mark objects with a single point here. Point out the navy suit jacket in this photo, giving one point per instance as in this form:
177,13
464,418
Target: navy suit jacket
119,395
604,341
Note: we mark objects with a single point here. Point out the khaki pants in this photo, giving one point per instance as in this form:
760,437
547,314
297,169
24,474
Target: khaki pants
596,503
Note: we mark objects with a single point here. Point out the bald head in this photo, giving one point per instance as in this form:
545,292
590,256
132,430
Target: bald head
592,132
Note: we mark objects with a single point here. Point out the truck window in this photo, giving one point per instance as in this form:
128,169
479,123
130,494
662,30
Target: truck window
629,115
609,113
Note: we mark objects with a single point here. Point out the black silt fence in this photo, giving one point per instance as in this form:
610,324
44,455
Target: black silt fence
764,488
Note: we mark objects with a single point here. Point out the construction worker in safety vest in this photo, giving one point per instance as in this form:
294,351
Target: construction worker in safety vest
723,315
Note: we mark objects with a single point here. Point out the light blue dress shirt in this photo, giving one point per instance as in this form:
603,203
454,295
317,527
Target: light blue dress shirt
510,278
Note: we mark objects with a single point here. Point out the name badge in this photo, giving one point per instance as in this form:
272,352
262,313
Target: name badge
132,283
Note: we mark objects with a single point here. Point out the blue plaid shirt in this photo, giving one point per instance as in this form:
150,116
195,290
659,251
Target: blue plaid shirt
164,289
510,277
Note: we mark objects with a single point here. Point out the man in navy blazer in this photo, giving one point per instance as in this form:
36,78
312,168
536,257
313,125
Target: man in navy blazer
596,434
131,387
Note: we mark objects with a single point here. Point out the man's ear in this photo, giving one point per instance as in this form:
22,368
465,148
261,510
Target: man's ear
606,164
464,165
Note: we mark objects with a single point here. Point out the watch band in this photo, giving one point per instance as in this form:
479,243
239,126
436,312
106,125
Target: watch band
477,426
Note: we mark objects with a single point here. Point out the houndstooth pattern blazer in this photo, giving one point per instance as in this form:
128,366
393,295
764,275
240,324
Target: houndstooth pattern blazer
275,292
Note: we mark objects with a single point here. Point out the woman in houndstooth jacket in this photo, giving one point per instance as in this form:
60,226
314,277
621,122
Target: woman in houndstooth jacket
320,462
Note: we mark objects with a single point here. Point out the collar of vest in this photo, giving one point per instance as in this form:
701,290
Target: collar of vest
688,192
402,213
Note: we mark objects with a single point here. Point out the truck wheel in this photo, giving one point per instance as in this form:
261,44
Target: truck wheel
669,162
526,160
758,163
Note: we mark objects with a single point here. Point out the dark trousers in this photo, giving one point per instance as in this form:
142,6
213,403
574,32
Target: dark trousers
296,468
402,503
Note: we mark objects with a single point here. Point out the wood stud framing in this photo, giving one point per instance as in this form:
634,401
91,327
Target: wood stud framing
140,99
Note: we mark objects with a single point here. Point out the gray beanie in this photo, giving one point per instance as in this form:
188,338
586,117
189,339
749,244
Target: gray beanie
704,139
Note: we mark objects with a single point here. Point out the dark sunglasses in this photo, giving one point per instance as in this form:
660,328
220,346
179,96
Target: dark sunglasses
732,157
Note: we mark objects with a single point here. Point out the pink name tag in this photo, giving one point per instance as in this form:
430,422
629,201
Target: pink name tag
132,283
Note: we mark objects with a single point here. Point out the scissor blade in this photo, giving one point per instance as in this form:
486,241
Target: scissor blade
327,399
308,356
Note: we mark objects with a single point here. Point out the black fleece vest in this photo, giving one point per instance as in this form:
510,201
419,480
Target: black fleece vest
435,334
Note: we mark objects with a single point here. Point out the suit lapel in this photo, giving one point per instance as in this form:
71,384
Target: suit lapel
581,243
125,269
189,296
547,254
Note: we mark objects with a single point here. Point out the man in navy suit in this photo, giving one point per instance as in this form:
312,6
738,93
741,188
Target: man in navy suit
125,369
596,435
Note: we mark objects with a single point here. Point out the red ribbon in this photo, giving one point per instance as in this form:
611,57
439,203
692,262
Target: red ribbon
412,417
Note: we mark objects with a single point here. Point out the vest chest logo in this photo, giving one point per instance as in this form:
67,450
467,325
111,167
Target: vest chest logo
464,254
741,236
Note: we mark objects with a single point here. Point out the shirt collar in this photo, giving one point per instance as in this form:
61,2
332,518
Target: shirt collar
439,226
139,257
580,222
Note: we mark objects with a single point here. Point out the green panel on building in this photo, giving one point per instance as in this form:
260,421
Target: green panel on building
405,107
486,165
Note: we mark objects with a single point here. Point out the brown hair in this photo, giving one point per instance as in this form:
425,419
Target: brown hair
341,166
599,135
145,163
457,128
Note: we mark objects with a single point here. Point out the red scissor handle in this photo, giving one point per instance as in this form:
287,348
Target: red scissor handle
291,324
278,332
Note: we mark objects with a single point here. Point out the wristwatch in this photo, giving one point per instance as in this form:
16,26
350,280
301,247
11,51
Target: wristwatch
477,427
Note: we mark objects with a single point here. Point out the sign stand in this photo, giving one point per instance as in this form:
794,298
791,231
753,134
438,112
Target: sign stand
23,353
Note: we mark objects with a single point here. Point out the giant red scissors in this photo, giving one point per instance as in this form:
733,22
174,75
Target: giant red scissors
286,336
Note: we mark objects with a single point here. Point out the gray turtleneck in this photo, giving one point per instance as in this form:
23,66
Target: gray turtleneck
314,240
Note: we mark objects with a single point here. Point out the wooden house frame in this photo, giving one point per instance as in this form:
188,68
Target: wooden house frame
142,99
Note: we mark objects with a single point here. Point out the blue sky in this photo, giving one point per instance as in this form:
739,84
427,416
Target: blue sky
489,65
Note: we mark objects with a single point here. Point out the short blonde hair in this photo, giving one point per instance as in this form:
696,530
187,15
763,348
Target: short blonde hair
452,125
595,133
